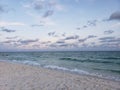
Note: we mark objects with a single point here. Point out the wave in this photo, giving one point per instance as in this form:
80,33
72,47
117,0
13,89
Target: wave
70,59
89,60
27,62
74,70
66,69
111,58
56,67
114,71
78,71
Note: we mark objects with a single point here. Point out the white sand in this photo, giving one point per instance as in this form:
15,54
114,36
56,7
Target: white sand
24,77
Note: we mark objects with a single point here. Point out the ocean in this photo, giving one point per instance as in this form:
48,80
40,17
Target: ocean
104,64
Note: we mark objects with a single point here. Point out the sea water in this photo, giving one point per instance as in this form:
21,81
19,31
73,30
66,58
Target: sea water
105,64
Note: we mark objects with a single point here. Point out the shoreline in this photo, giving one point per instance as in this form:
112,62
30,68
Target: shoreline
16,76
33,64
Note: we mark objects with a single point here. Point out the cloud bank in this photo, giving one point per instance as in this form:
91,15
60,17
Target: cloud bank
108,32
7,30
115,16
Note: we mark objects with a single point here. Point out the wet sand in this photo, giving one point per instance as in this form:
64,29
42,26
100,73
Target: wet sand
24,77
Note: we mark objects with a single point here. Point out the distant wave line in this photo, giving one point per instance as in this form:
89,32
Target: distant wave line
89,60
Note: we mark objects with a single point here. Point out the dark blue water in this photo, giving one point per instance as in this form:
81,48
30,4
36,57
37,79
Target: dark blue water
102,64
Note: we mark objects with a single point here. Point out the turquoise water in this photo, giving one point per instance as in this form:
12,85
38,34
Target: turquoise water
101,64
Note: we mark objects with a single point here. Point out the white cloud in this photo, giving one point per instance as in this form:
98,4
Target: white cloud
48,22
43,21
4,23
27,5
116,25
59,7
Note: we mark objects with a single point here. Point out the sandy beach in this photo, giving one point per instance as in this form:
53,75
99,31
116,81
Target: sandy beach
24,77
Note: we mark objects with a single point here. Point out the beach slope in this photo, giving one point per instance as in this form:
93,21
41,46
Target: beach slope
25,77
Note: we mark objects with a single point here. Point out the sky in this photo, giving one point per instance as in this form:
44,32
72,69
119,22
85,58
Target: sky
60,25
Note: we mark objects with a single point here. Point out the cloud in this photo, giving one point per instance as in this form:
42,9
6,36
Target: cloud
86,38
109,40
106,38
92,22
51,33
44,22
82,40
24,42
47,42
5,47
42,45
7,30
4,23
108,32
89,23
45,5
111,45
5,9
9,41
37,25
59,7
72,37
116,25
12,37
64,34
60,42
47,22
78,28
85,26
20,43
38,4
1,9
91,36
54,34
48,13
53,45
115,16
64,45
45,8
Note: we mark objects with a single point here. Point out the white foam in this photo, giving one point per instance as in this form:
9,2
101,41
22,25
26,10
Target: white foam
26,62
66,69
56,67
79,71
31,62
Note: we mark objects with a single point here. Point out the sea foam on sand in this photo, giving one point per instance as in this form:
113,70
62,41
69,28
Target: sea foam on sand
24,77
